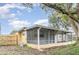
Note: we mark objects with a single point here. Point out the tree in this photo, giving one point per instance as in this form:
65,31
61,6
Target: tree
71,11
64,9
68,10
56,22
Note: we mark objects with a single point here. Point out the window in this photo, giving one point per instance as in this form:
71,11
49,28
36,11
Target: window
41,34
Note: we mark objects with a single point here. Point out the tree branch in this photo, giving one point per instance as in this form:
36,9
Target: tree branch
59,9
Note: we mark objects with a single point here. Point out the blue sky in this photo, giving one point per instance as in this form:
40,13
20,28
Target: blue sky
16,16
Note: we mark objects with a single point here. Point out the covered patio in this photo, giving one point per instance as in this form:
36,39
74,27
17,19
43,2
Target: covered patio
41,35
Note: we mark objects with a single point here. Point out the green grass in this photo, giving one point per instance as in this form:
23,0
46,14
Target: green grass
65,50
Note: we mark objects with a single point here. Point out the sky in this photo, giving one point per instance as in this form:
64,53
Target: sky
15,16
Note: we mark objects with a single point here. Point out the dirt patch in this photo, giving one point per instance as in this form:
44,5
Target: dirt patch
13,50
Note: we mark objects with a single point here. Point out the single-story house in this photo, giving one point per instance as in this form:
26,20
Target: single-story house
44,37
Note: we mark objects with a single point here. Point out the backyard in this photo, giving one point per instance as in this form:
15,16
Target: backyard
63,50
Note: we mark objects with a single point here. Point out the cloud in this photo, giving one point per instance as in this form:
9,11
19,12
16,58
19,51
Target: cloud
14,5
42,22
10,15
4,10
18,12
29,10
17,24
6,13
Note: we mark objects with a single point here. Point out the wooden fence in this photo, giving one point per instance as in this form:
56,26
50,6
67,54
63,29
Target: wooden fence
8,40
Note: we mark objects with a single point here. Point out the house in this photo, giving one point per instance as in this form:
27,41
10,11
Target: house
44,37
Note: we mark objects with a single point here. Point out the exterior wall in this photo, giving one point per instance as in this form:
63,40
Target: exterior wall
69,37
59,38
63,38
24,37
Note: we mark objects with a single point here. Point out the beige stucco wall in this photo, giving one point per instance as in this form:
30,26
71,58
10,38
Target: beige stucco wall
24,37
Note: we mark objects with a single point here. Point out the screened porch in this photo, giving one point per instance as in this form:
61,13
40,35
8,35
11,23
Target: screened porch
42,36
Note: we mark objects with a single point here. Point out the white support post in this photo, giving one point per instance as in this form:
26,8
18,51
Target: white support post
55,38
38,37
67,37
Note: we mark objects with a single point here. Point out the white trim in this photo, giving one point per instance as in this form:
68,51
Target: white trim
56,38
38,37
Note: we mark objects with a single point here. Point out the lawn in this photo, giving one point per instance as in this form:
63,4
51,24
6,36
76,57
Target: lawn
63,50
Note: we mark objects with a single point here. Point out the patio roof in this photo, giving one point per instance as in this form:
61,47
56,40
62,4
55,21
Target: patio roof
48,27
40,26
